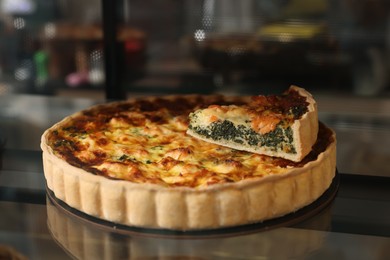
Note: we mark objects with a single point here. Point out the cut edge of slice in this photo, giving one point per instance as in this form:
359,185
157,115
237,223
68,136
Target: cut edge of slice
305,131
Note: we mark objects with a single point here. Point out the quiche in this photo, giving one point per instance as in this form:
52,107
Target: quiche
133,163
277,125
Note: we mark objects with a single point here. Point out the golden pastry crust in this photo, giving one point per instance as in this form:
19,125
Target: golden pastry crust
220,205
306,129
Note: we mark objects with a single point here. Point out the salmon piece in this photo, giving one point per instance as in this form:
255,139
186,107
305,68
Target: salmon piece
213,118
265,124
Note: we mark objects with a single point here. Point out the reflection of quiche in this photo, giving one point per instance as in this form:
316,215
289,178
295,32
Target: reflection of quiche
83,240
132,162
284,126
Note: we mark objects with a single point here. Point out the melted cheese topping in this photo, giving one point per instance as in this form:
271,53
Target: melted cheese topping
146,142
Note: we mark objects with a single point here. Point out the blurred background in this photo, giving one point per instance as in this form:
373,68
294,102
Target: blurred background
54,47
337,49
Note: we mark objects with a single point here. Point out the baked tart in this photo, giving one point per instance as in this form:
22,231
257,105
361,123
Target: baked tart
132,162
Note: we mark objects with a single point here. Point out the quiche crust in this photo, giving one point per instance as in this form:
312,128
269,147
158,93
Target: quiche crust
184,208
306,129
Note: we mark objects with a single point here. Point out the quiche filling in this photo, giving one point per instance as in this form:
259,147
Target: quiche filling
145,141
280,138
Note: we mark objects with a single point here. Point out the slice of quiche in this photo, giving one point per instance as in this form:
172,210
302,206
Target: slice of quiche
284,126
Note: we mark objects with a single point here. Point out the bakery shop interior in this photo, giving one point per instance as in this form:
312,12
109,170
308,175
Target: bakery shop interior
195,129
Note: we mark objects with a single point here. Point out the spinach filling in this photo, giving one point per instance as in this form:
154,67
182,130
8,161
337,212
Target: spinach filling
279,139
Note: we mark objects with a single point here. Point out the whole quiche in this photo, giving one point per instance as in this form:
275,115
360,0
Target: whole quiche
191,162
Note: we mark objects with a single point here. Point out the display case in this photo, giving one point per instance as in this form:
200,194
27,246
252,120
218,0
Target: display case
57,47
59,57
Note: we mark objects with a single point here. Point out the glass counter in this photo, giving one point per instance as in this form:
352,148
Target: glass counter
355,224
